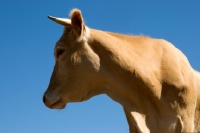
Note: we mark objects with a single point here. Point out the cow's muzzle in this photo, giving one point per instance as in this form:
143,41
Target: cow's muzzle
53,101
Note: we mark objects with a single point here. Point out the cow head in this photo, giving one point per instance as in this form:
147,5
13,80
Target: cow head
76,64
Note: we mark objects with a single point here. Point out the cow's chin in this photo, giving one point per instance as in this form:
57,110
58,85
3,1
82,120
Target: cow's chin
58,105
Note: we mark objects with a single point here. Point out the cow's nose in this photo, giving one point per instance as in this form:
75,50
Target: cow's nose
44,98
51,100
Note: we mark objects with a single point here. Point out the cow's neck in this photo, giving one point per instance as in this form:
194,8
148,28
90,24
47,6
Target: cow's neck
120,71
119,79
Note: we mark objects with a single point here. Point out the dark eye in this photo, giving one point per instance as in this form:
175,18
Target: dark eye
59,52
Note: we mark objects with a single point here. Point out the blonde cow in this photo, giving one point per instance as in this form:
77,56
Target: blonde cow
150,78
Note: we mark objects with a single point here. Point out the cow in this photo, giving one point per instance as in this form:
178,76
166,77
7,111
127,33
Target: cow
150,78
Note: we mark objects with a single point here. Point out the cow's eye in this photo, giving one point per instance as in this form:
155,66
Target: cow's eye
59,52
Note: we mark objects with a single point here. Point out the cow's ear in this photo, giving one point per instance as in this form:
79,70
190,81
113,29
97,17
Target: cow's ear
77,21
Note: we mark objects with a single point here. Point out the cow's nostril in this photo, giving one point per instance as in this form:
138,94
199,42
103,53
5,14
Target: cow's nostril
44,98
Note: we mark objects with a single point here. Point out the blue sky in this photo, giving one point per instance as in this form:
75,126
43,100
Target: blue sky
27,39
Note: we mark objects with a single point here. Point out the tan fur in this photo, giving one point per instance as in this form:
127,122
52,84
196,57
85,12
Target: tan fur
150,78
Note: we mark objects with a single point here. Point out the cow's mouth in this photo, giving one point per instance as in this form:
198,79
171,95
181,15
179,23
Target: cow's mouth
58,105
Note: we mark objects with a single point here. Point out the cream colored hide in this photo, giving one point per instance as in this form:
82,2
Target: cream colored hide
150,78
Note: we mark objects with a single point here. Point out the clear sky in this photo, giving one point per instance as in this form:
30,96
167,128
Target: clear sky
27,39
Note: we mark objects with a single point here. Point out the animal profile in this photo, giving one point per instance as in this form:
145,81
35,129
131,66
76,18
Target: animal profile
150,78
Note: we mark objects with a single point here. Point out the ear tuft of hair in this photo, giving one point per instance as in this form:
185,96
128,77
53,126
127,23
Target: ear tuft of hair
77,21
